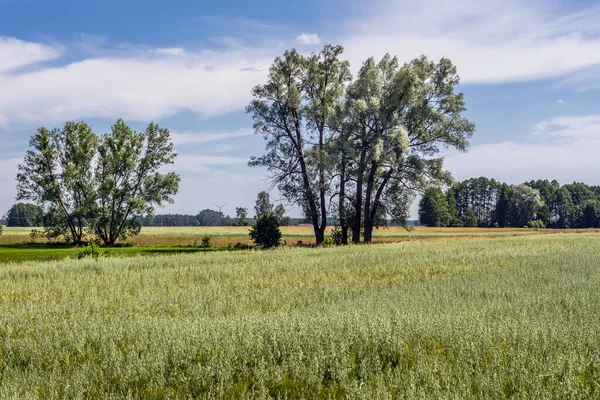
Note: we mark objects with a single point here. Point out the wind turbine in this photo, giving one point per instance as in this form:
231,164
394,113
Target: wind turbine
220,207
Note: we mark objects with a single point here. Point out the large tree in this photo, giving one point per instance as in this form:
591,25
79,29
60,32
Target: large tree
128,179
102,183
57,174
402,116
293,111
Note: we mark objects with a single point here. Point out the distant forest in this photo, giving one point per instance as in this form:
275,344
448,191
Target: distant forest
483,202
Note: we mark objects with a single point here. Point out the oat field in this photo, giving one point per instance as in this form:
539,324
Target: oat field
512,316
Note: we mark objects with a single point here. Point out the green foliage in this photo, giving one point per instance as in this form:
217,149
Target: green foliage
206,242
470,219
241,213
536,224
1,228
336,235
24,214
514,317
265,232
101,183
525,203
328,241
208,217
369,145
433,208
91,250
57,171
128,181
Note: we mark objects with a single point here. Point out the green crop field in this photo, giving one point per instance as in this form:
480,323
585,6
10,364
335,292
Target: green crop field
16,244
515,316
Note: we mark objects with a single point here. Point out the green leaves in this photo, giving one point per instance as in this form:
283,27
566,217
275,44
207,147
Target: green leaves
98,182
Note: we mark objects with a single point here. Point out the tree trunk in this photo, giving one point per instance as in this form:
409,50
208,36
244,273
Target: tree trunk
342,204
368,222
356,222
371,215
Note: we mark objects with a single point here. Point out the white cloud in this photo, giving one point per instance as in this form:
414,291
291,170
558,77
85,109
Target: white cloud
204,137
560,101
172,51
192,163
574,156
135,88
16,53
8,172
308,39
490,42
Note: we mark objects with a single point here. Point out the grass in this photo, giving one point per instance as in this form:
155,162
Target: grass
16,246
512,317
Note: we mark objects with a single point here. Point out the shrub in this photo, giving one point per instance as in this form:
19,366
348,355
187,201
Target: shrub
34,234
1,228
328,241
206,242
240,246
496,225
336,235
265,232
92,250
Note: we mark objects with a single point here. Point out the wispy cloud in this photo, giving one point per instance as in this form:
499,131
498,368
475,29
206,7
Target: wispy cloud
205,137
560,101
308,38
567,150
136,87
490,42
16,53
172,51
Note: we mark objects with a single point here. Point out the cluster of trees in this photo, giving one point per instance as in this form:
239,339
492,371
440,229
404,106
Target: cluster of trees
356,148
486,202
98,185
24,214
209,217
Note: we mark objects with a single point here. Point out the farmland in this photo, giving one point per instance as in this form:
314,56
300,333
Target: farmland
508,314
16,244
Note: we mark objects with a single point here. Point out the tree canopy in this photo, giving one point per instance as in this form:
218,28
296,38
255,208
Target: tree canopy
103,183
361,147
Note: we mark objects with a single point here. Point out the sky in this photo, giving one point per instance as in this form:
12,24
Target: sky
530,74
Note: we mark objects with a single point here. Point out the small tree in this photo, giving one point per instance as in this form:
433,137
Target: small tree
470,219
263,204
433,208
241,213
265,232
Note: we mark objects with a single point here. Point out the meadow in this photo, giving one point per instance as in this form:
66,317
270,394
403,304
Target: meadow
16,244
511,316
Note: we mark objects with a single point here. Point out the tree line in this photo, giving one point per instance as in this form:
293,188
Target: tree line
357,148
486,202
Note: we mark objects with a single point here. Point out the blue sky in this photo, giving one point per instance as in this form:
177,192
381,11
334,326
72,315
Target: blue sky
530,74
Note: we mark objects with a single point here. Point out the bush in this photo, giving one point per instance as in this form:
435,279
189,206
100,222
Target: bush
335,236
265,232
496,225
1,228
92,250
328,241
34,234
207,241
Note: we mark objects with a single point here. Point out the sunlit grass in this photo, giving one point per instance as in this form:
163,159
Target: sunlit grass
510,317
